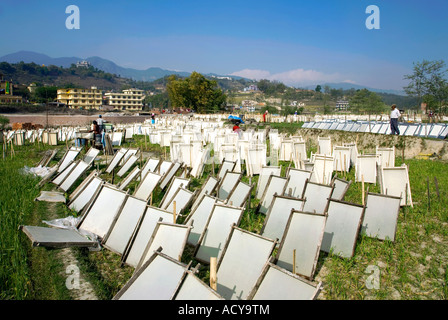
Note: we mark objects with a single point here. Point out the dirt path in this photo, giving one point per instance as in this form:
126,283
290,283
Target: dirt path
80,288
76,283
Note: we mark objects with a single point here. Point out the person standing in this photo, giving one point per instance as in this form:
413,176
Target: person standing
394,115
95,128
100,122
265,115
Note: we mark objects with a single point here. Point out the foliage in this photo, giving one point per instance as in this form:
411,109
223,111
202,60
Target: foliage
159,100
270,109
367,101
195,92
291,110
4,122
271,87
428,79
45,94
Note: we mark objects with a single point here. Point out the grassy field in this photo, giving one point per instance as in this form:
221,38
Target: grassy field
412,267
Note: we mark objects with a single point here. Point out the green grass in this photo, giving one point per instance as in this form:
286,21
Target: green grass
22,268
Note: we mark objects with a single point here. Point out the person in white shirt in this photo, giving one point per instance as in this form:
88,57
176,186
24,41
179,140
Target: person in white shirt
100,122
394,115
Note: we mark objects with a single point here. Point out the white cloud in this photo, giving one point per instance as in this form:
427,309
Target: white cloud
293,77
252,74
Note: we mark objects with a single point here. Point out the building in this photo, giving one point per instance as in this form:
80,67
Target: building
76,98
83,64
129,99
297,104
249,103
251,88
342,105
7,92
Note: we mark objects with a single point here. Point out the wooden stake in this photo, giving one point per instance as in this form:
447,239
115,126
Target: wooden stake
294,261
323,175
345,163
174,212
362,183
12,149
141,159
437,187
404,147
213,273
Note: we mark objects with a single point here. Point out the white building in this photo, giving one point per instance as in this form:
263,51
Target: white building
342,105
83,64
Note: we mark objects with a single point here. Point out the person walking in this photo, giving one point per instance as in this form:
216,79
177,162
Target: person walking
394,115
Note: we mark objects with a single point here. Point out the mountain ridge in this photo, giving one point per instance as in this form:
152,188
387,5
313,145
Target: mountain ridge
149,74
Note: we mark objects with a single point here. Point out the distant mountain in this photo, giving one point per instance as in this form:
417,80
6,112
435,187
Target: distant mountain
38,58
348,86
149,74
105,65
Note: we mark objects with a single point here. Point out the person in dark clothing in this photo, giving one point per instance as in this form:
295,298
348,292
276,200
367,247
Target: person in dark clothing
95,127
394,115
96,134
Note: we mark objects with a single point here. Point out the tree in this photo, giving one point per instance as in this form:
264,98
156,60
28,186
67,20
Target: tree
45,94
271,87
366,101
4,122
195,92
270,109
428,78
318,88
159,101
291,110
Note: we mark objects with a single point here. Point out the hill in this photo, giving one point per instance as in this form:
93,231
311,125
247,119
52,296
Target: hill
105,65
27,73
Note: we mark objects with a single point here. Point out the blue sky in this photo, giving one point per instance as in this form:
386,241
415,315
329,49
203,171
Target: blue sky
297,42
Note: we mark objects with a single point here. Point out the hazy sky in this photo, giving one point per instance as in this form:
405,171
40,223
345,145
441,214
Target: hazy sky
297,42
